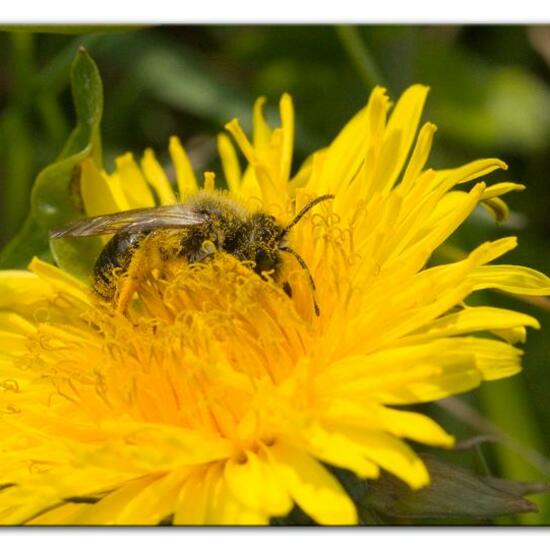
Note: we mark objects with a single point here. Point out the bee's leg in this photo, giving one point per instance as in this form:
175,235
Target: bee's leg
145,258
112,266
129,284
208,250
205,251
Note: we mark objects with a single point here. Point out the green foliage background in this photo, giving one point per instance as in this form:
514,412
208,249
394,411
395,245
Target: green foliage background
490,96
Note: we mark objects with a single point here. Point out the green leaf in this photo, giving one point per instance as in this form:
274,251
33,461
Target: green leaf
454,492
182,79
30,241
56,73
56,198
485,105
87,92
296,517
517,488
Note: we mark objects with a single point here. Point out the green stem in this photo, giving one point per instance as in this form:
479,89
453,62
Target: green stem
22,67
18,135
360,55
467,414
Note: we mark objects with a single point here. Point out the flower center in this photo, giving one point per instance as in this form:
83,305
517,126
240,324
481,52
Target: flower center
207,347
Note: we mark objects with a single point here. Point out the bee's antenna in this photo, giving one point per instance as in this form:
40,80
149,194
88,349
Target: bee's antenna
304,266
304,210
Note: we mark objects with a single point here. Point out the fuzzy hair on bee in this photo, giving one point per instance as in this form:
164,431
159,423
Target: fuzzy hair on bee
196,229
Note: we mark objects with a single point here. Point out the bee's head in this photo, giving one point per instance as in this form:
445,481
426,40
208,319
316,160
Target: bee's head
261,239
266,239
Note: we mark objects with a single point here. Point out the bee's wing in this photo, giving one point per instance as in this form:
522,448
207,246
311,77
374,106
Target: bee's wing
170,216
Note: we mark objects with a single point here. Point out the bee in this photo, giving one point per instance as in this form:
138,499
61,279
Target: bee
196,229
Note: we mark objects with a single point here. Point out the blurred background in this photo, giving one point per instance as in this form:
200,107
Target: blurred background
490,97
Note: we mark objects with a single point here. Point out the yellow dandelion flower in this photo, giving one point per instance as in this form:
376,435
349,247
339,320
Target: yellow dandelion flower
217,398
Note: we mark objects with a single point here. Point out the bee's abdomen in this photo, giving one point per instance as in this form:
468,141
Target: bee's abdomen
114,261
